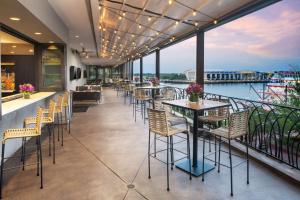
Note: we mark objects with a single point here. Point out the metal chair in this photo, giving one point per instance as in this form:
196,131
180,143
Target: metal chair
48,120
24,133
237,127
158,124
66,107
141,97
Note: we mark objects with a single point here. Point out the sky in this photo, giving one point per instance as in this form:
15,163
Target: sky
266,40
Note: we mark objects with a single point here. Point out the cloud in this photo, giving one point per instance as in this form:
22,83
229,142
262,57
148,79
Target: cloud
272,32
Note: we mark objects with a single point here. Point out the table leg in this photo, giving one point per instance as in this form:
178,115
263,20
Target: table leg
196,164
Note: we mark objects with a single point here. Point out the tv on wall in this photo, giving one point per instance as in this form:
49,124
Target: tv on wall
78,73
72,73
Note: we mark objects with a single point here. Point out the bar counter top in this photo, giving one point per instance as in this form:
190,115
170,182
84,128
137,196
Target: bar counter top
16,104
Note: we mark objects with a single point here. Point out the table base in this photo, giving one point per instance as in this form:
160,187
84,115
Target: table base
196,171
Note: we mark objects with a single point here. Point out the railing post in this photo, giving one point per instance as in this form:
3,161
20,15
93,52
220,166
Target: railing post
141,69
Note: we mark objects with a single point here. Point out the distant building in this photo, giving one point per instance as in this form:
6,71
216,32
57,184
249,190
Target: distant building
245,75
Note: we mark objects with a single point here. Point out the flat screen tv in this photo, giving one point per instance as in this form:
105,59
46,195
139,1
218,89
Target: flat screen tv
72,73
78,73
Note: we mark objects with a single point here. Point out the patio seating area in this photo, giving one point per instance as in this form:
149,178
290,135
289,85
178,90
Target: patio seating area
106,158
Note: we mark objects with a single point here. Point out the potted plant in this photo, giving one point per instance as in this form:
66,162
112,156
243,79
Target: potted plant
194,90
154,81
26,89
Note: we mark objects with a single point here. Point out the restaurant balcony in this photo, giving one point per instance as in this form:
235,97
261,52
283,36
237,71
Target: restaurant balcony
105,157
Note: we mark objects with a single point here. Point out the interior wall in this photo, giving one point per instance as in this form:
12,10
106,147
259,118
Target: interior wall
74,60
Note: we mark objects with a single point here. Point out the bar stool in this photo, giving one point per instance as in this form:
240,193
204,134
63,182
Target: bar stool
23,133
66,107
158,124
48,120
237,127
141,97
59,116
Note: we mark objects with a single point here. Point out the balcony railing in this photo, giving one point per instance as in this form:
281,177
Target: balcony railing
273,129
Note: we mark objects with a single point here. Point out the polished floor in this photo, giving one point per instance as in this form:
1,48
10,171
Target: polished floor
107,151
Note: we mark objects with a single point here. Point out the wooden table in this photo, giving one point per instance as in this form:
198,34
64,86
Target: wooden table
201,106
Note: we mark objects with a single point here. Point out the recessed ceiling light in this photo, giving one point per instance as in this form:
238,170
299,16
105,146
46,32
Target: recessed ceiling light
99,7
13,46
149,19
51,41
15,18
194,13
215,21
30,50
12,52
38,33
77,36
170,2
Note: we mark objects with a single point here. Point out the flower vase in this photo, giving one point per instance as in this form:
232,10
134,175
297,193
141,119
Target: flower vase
194,98
26,96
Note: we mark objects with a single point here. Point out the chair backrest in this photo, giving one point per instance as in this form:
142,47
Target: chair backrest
66,97
38,124
158,121
158,105
238,123
139,93
169,93
60,100
52,106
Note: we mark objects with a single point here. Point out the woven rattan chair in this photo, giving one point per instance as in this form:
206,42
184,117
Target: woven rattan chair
48,120
141,98
20,133
66,107
237,127
158,124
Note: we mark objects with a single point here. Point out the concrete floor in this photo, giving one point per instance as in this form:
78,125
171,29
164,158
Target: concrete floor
107,151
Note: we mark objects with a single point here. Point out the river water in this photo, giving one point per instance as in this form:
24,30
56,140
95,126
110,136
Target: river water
239,90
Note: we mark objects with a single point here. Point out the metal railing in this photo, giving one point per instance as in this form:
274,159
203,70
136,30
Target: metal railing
273,129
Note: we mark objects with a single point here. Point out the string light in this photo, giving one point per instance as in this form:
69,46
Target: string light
176,23
99,7
149,19
115,31
196,23
170,2
140,26
120,17
124,13
215,21
194,13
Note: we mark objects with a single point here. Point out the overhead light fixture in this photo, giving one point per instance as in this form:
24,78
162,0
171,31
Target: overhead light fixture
194,13
140,26
38,33
104,29
124,13
100,27
151,39
119,37
120,17
157,33
15,18
215,21
170,2
115,31
51,41
52,47
149,19
12,52
99,7
132,35
176,23
30,50
76,36
13,46
196,23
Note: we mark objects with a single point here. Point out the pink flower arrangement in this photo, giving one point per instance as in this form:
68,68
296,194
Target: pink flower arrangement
154,81
26,88
194,88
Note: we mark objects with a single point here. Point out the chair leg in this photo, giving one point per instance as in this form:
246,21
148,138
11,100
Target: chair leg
230,160
69,120
189,154
2,166
215,151
24,153
49,134
168,188
62,130
22,150
172,152
37,157
41,161
203,159
53,140
247,157
154,144
149,175
58,126
135,110
219,158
